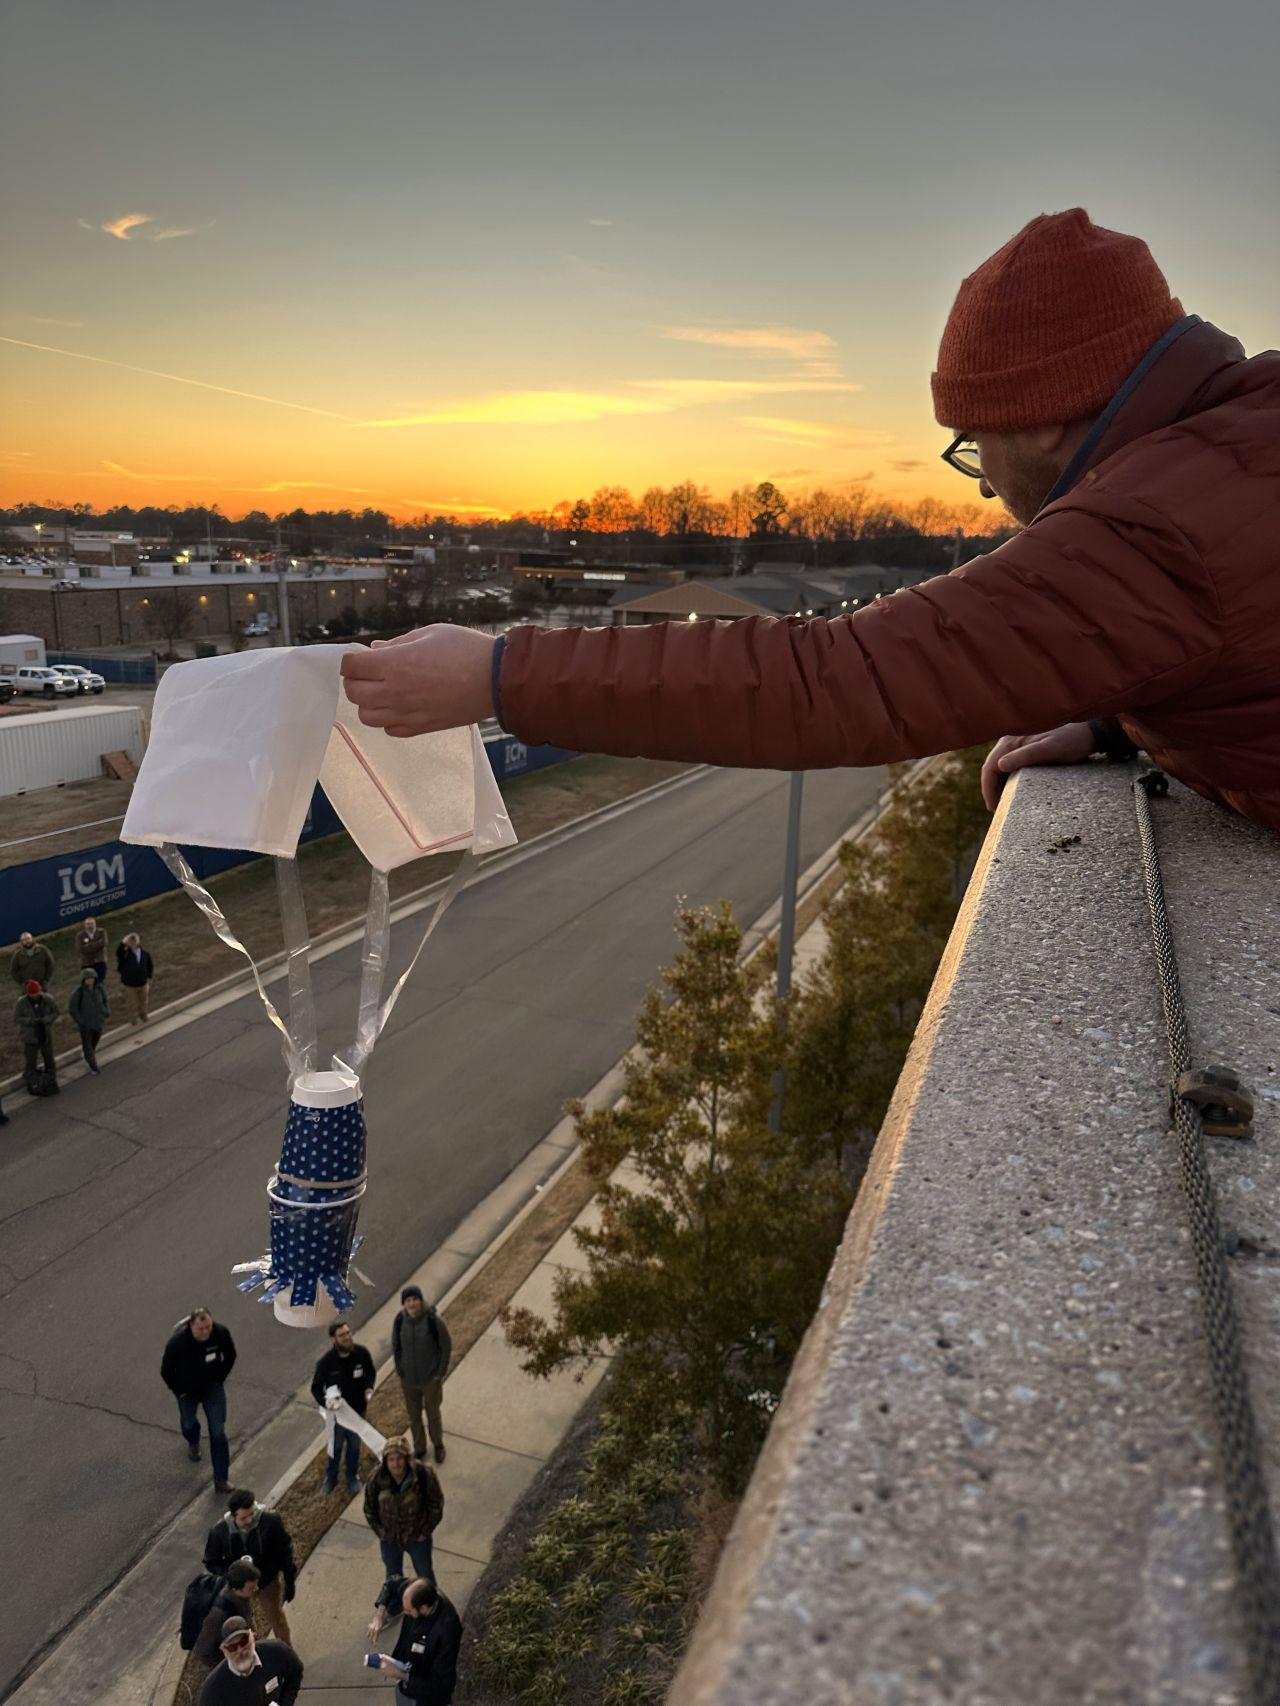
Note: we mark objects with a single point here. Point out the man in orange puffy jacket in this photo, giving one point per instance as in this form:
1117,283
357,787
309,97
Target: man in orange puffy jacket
1139,605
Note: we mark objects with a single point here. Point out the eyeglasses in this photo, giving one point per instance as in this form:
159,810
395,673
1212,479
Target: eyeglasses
962,455
237,1644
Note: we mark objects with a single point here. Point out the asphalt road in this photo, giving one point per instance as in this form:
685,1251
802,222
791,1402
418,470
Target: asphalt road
125,1202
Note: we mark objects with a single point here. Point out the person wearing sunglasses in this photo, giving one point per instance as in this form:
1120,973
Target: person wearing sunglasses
252,1672
1138,607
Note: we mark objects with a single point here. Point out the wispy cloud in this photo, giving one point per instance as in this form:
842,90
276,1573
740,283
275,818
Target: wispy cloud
526,408
313,486
449,506
785,431
684,392
128,223
119,469
600,224
49,320
907,464
180,379
758,340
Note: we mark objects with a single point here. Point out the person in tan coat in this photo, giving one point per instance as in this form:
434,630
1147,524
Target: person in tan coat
1138,606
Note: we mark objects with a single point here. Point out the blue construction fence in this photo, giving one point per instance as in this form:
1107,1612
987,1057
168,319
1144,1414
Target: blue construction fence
48,894
128,672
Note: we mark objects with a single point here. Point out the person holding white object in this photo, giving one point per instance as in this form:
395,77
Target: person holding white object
344,1374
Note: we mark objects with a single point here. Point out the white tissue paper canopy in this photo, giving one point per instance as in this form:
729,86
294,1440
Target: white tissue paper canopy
238,743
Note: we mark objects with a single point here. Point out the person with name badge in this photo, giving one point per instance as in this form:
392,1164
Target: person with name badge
252,1672
344,1374
198,1357
424,1660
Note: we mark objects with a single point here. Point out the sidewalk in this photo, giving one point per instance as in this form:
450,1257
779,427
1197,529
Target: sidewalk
500,1428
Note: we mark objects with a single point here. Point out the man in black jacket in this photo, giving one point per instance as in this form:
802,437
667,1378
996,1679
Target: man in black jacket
235,1600
421,1346
428,1643
345,1371
136,968
252,1534
197,1360
252,1672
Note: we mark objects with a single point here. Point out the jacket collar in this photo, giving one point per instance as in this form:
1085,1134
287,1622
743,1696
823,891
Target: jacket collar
1160,390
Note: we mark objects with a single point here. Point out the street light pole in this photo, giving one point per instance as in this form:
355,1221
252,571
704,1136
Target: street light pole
282,591
787,932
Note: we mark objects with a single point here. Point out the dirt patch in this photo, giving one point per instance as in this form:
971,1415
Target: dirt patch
335,881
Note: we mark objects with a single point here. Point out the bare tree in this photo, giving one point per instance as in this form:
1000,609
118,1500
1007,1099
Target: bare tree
169,615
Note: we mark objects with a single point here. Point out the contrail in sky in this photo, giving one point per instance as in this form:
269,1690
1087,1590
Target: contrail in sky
180,379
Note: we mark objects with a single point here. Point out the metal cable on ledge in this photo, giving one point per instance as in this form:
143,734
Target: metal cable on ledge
1253,1540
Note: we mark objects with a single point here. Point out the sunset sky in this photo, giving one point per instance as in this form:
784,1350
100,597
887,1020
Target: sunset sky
425,256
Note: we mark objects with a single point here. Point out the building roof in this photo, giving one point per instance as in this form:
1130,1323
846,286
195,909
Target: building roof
696,598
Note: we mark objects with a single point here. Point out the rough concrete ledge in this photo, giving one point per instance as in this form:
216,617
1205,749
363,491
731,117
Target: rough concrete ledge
993,1478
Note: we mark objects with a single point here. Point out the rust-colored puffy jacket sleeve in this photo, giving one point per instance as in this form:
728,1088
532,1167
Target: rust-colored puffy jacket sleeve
1091,611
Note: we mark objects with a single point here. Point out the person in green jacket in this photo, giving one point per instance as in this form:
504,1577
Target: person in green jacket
90,1009
34,1016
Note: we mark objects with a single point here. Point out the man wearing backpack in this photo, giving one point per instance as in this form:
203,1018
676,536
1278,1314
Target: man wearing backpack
235,1599
34,1016
421,1347
251,1534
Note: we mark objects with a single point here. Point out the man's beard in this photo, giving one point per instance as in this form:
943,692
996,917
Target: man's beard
1030,477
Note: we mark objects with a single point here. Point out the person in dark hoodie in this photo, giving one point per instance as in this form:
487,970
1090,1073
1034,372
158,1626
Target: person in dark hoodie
346,1369
421,1347
403,1504
198,1357
89,1010
252,1672
251,1533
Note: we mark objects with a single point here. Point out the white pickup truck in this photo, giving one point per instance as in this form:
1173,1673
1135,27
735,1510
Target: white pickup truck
49,683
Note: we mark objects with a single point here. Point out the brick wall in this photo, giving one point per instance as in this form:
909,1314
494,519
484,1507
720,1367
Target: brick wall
96,616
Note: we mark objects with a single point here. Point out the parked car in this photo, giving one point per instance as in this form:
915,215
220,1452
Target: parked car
86,680
46,682
7,690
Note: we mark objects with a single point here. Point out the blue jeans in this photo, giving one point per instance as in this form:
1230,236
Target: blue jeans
215,1413
343,1435
419,1555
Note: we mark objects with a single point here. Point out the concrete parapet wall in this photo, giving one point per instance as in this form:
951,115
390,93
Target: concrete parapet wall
993,1479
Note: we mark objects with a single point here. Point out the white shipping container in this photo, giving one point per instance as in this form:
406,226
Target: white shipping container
46,748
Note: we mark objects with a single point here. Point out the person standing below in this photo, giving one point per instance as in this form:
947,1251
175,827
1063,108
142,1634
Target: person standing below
136,969
403,1504
91,945
251,1534
428,1642
31,959
344,1372
252,1672
421,1346
34,1016
197,1359
89,1010
235,1600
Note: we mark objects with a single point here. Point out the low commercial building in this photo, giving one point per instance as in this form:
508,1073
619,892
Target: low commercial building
90,612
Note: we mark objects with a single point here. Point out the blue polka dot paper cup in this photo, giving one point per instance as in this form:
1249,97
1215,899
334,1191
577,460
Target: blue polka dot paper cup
314,1202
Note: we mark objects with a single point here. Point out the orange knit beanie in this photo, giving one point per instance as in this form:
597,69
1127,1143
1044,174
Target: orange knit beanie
1048,328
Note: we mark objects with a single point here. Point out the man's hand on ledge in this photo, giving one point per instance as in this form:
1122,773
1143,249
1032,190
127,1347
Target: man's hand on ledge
1071,744
434,678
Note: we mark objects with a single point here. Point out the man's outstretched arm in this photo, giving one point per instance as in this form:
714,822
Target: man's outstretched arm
1082,615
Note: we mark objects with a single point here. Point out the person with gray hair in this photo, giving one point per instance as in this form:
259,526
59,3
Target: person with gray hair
136,968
